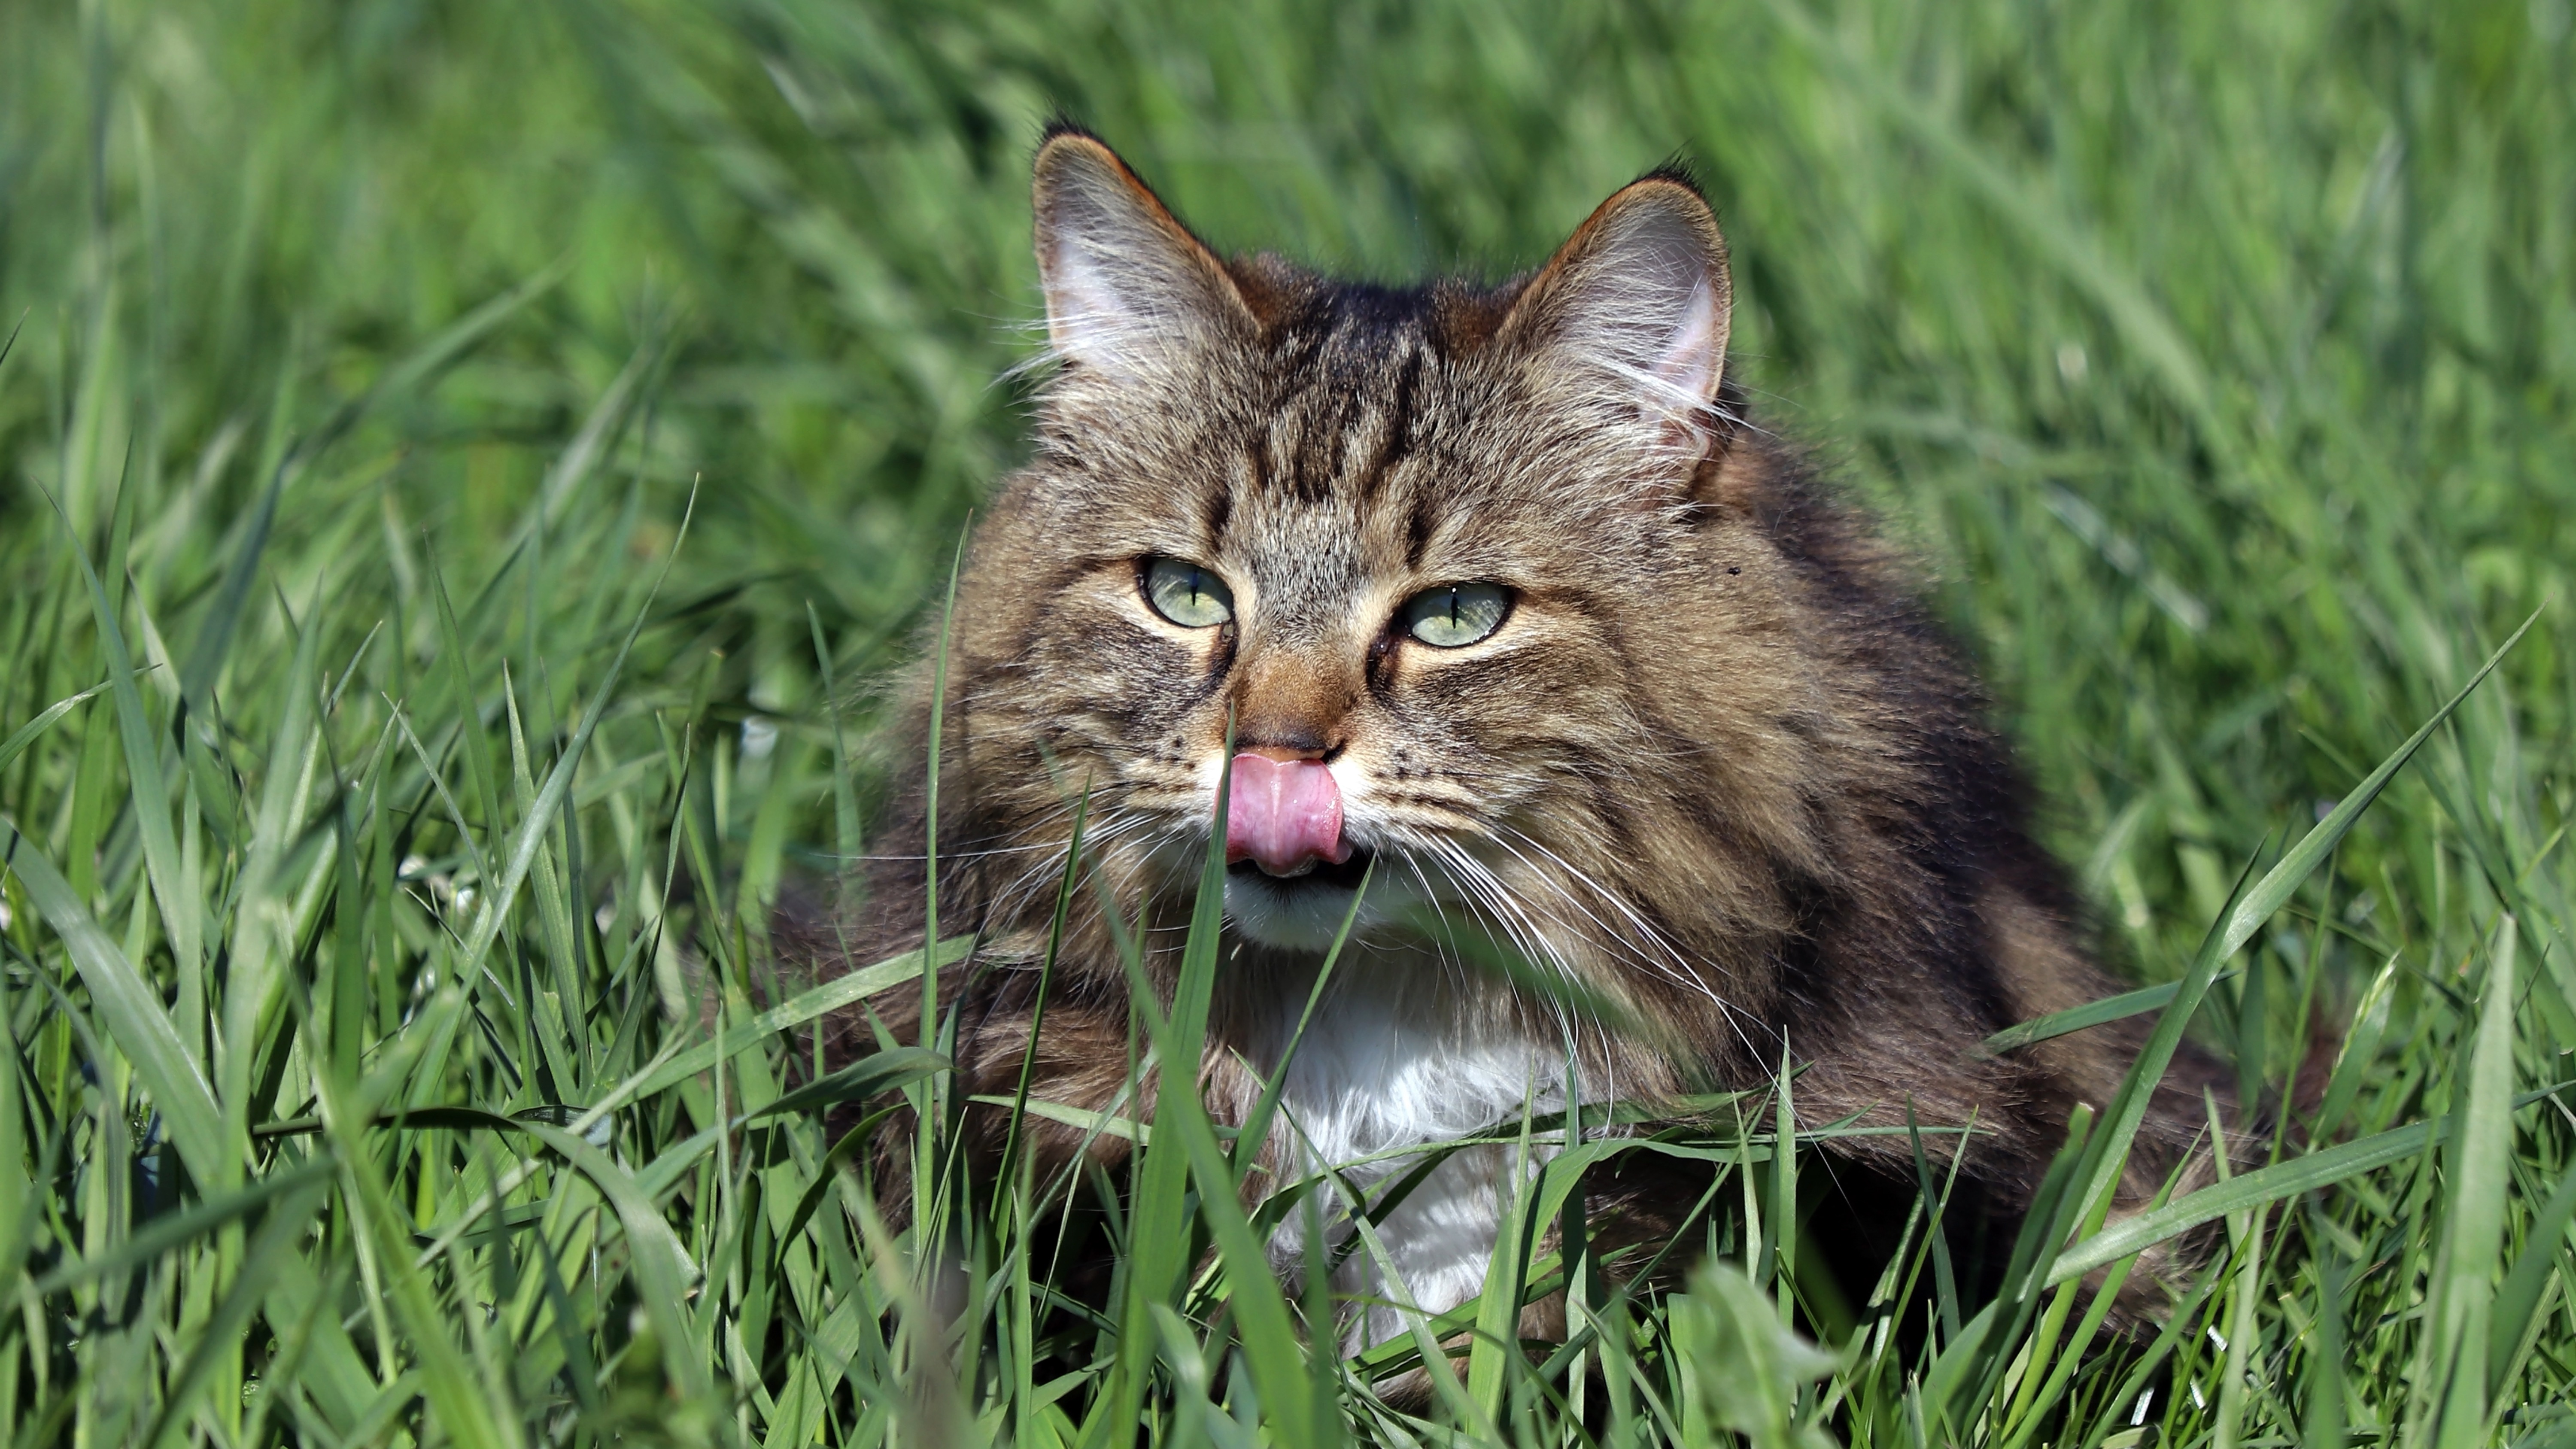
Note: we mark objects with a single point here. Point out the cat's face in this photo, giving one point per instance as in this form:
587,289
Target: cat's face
1430,556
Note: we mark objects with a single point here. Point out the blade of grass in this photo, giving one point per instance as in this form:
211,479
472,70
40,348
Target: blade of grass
661,1265
2517,1300
805,1006
1008,1169
2096,1013
1256,1123
2462,1293
2244,1293
2359,1051
2306,1173
930,807
127,1005
26,734
1160,1235
2323,1422
875,1073
845,810
467,1410
1496,1344
472,741
148,795
176,1230
262,946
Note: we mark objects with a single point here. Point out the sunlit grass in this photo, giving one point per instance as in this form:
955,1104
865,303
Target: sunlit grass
473,470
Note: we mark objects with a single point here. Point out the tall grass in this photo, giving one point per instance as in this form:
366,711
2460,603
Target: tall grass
458,458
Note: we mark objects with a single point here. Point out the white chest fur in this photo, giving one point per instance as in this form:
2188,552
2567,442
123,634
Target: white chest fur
1393,1061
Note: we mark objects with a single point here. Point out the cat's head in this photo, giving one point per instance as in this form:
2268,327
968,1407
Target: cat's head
1448,558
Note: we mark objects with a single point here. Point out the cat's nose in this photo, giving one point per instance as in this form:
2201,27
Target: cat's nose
1284,816
1290,706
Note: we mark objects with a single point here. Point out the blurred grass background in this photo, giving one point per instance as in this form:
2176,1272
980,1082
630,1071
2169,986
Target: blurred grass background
2217,360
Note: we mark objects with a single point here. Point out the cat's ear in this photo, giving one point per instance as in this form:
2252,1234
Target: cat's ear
1126,284
1638,298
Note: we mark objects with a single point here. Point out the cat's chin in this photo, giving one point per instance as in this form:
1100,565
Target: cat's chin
1299,913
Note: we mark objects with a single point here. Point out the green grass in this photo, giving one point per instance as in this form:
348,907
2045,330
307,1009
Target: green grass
398,866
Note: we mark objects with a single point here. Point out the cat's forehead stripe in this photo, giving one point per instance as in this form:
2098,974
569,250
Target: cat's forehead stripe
1345,380
1418,526
1218,510
1395,428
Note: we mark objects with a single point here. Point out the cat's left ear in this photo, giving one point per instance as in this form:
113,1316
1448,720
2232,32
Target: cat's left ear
1638,301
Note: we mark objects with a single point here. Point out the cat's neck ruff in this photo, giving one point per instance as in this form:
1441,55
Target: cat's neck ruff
1405,1050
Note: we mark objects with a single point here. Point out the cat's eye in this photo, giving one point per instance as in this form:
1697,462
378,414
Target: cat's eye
1453,616
1186,594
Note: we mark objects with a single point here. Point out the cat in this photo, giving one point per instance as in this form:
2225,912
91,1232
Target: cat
1512,612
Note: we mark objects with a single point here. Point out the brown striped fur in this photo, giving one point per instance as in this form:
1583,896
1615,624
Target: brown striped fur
1719,766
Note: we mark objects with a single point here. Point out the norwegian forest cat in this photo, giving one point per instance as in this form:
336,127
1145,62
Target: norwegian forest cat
1509,607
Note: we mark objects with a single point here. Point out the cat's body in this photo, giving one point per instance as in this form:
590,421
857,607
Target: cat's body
1501,592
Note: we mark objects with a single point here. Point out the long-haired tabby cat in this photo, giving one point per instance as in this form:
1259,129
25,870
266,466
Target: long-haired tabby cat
1509,607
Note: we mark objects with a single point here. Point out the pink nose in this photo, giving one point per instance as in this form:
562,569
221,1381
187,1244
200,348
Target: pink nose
1284,815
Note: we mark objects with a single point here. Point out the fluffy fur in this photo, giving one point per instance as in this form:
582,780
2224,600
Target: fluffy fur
1718,768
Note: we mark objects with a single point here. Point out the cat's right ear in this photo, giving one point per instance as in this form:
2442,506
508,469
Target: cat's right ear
1127,286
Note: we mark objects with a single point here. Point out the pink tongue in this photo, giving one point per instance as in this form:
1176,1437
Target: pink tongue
1284,816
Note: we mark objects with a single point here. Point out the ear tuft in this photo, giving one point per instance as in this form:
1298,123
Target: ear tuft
1675,169
1640,295
1125,281
1063,124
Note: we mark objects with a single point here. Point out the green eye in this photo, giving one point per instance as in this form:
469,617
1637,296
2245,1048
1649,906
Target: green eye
1186,594
1455,615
